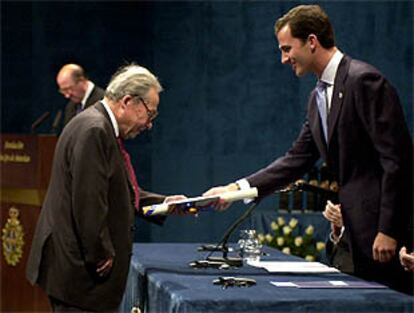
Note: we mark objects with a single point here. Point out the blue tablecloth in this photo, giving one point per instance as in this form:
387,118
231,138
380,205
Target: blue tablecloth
161,281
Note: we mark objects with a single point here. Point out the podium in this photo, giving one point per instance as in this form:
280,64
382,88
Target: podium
25,166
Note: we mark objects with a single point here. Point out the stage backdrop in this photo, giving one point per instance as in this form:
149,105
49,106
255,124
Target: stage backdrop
229,105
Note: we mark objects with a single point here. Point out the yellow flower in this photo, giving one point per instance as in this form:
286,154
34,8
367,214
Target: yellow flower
287,230
293,222
274,226
286,250
290,238
269,237
320,246
261,238
309,230
298,241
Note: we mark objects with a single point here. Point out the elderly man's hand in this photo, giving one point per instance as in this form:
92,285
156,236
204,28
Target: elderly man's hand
173,209
104,267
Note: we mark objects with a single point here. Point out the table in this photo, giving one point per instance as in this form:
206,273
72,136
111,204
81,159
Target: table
160,281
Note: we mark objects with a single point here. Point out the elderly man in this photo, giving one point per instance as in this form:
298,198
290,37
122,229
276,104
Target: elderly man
75,86
82,245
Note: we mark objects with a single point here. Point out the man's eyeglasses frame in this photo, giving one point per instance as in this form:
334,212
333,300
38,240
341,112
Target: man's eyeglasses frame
150,113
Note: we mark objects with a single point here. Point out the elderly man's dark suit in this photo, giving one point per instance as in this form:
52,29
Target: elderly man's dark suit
70,109
369,152
87,216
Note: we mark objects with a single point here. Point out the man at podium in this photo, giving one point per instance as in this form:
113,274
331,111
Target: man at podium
75,86
82,245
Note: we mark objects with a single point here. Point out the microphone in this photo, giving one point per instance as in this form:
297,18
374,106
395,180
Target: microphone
56,121
40,120
223,244
301,185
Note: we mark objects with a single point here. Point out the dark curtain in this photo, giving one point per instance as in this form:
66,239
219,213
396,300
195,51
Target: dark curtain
229,105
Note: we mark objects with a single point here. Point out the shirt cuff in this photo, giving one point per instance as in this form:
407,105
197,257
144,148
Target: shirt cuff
334,238
244,185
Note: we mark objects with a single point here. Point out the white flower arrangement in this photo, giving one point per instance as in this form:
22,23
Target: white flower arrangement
286,237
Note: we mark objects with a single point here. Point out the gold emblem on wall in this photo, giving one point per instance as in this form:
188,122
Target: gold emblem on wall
13,238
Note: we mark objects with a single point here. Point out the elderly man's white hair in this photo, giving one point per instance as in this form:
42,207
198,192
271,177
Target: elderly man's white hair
131,80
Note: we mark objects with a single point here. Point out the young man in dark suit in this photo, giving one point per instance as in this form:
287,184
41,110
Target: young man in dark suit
355,123
82,245
75,86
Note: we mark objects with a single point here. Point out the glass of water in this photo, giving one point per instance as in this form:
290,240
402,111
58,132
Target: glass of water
249,245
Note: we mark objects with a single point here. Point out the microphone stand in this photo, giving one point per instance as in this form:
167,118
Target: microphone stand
232,261
56,122
39,121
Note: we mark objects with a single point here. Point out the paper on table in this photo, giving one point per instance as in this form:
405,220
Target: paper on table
329,284
283,284
294,267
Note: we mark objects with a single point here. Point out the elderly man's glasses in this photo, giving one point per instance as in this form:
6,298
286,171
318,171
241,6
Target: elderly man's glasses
151,114
65,90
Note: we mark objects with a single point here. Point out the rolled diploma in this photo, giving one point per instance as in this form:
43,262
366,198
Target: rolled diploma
230,196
